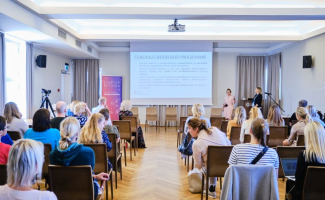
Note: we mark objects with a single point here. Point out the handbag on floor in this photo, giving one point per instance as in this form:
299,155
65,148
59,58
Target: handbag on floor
194,179
186,146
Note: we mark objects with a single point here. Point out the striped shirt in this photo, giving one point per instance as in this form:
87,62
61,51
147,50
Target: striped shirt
245,154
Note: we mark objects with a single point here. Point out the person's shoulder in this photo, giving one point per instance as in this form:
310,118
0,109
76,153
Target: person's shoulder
47,195
5,146
53,130
85,149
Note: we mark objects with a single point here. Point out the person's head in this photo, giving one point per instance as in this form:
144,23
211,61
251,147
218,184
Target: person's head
255,112
41,120
102,101
61,107
79,108
72,105
69,129
195,125
91,132
126,105
312,111
228,92
105,113
258,90
274,115
302,103
25,163
11,110
198,110
315,142
258,130
240,115
3,126
302,114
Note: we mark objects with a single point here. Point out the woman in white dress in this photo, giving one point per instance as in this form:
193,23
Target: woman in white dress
228,106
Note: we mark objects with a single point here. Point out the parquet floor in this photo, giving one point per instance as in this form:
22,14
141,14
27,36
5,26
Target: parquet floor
158,172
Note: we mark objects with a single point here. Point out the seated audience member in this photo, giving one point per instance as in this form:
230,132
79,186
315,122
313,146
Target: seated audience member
108,128
198,129
240,117
70,108
80,109
101,105
198,111
93,132
298,129
4,148
61,108
24,167
13,118
254,113
42,130
71,153
274,117
313,114
314,155
301,103
125,110
246,153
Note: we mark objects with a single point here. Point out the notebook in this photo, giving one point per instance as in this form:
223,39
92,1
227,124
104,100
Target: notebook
289,166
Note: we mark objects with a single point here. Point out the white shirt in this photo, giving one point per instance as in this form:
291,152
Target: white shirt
7,193
245,128
97,109
18,125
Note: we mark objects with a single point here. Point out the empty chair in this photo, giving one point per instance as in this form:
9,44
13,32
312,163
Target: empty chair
115,156
216,112
224,124
301,140
171,115
134,127
151,115
313,187
125,134
277,135
189,111
3,174
216,121
14,135
288,152
234,135
135,111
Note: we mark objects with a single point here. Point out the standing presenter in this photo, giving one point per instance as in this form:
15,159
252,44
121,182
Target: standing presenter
257,101
228,106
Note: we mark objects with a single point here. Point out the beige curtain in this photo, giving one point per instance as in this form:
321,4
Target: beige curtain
2,73
273,81
161,111
29,80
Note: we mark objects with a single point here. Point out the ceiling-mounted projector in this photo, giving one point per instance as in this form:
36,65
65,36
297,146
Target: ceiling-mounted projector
176,27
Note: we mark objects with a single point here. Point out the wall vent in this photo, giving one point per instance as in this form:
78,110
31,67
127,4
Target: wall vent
89,49
78,43
62,34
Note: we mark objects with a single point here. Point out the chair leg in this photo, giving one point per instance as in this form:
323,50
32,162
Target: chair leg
112,185
134,146
131,149
185,160
202,188
207,187
177,140
116,173
106,186
145,125
121,167
156,125
188,163
124,156
138,141
165,125
192,162
220,183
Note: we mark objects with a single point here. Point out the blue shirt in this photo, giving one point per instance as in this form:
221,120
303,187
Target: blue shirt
50,136
6,139
316,119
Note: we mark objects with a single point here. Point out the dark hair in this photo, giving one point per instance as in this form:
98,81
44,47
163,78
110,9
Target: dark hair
41,120
105,112
229,90
2,123
303,103
196,122
259,130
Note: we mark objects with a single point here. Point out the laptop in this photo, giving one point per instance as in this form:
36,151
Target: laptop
289,166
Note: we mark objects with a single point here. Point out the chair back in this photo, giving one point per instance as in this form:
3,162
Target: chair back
287,152
171,114
14,135
216,112
217,160
286,120
47,151
113,152
235,135
3,174
65,186
100,151
134,122
224,125
277,135
124,128
313,186
216,121
189,111
247,138
301,140
135,111
182,124
151,114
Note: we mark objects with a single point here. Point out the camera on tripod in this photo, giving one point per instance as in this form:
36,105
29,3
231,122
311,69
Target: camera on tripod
46,92
46,103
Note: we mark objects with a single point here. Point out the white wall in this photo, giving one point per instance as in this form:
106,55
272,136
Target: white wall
299,83
49,78
224,75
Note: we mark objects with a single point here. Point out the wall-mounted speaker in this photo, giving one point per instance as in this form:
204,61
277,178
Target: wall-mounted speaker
306,62
41,61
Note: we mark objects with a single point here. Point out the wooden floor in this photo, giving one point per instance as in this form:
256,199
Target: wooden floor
158,172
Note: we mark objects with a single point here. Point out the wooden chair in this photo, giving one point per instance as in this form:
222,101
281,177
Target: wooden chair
301,140
101,164
114,156
180,131
63,182
171,115
125,134
216,112
45,170
151,115
189,111
313,187
14,135
277,135
247,138
287,152
224,125
216,121
187,157
217,164
235,135
286,120
134,128
3,174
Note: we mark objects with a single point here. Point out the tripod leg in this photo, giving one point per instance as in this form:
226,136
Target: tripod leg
49,102
43,101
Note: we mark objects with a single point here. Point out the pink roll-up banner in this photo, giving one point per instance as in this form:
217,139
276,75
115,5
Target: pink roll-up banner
112,90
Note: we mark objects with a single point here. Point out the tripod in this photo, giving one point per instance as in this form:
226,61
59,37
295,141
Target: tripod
269,95
45,99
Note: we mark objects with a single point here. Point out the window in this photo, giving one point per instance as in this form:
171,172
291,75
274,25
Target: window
15,68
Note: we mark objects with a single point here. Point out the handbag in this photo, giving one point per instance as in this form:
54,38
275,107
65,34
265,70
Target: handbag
186,146
194,179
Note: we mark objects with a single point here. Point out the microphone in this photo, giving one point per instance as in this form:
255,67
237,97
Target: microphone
267,93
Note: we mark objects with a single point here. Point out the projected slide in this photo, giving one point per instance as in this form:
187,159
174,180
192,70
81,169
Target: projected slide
171,77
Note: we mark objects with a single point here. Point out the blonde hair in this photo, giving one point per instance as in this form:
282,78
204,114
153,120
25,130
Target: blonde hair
259,129
259,90
11,110
201,124
303,113
312,111
315,142
101,100
69,129
254,113
25,163
79,108
274,116
72,105
91,133
126,105
198,110
240,115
